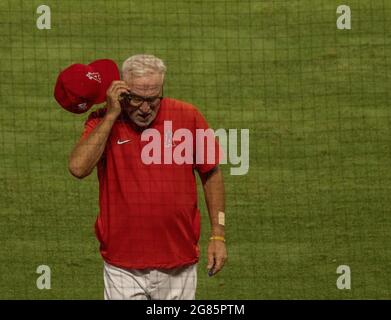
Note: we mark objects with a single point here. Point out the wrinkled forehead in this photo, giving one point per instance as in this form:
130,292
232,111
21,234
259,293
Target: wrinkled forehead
146,85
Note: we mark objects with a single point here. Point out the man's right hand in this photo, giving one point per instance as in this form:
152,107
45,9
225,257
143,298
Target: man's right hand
112,97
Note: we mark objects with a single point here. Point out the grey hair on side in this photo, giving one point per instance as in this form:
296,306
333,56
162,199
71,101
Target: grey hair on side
141,65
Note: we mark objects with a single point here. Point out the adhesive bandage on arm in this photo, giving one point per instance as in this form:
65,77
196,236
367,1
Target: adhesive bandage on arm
221,218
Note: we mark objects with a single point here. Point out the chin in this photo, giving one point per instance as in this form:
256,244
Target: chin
142,124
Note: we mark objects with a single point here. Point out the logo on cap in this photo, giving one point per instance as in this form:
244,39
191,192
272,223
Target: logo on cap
94,76
82,106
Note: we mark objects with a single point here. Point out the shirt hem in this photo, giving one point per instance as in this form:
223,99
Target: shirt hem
152,265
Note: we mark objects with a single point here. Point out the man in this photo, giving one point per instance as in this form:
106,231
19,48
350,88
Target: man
149,221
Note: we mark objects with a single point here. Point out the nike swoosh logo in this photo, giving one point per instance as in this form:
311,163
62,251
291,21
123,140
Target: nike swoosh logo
122,142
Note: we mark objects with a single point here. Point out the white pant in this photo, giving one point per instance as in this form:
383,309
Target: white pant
147,284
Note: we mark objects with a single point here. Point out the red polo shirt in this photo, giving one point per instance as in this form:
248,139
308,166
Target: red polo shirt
149,217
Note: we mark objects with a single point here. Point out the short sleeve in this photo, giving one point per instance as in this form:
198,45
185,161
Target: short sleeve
208,151
92,121
89,125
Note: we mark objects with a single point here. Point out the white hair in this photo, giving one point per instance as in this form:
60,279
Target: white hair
140,65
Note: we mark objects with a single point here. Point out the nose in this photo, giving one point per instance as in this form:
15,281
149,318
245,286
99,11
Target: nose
144,107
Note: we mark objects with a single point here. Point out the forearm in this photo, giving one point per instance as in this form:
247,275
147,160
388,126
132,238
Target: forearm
87,152
214,196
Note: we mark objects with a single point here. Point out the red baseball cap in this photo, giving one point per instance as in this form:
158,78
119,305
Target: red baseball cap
80,86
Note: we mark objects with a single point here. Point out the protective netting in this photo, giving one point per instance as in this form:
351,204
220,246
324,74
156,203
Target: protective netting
314,98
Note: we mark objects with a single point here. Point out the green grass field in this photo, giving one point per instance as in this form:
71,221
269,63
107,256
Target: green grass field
316,101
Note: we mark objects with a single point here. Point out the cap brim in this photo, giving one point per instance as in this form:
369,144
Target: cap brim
109,72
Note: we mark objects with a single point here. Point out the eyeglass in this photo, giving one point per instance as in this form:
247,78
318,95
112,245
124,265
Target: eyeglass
137,101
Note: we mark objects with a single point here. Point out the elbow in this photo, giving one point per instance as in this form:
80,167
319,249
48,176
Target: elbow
77,171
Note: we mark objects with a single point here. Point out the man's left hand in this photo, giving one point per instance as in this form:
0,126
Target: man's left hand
217,256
